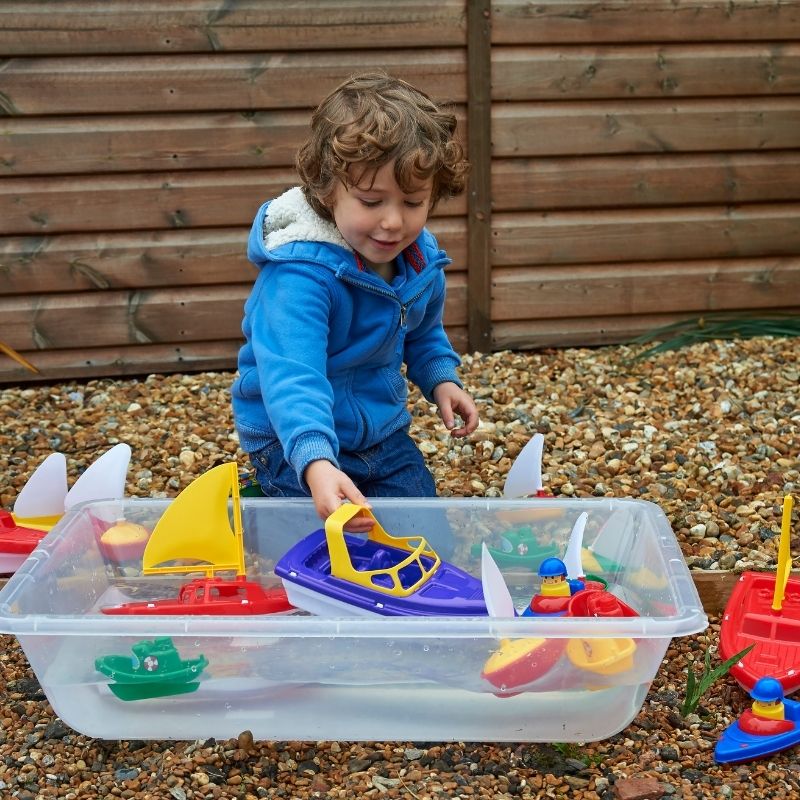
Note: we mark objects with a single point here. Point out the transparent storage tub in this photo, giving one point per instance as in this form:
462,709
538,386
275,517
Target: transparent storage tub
299,676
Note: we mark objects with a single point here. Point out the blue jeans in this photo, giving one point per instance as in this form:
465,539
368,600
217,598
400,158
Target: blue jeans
391,468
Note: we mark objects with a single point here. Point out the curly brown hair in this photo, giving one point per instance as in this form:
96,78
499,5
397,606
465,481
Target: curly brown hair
370,120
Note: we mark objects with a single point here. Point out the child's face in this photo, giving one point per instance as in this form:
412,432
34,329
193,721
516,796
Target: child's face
377,218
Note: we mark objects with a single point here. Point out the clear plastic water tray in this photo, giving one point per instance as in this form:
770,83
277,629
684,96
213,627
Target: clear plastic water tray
350,677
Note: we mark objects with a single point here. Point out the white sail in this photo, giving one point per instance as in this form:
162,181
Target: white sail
43,495
104,479
572,558
525,475
495,591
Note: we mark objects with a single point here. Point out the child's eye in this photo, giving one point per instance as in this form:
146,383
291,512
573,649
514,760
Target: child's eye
414,203
370,203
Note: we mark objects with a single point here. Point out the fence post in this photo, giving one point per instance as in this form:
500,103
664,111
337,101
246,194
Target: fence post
479,188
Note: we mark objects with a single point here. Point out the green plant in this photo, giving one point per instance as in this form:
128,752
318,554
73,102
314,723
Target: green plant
567,749
715,326
696,689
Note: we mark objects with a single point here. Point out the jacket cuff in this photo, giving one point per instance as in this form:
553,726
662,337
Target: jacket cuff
310,447
438,370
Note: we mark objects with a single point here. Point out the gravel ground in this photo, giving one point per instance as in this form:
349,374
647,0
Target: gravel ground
711,434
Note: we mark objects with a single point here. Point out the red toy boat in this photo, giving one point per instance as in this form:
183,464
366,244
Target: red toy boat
18,539
764,611
213,596
195,535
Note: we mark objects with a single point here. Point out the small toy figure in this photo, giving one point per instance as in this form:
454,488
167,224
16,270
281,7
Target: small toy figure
768,704
555,590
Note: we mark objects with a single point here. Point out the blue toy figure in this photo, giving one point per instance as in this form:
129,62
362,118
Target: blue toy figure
767,697
555,590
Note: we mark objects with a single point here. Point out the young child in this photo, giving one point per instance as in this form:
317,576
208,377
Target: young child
350,287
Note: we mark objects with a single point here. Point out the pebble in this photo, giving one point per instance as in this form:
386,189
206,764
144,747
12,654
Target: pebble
711,434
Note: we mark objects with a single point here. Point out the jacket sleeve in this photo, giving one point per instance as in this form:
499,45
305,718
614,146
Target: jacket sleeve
289,320
428,354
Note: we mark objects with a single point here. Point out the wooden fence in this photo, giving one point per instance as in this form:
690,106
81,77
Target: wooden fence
633,164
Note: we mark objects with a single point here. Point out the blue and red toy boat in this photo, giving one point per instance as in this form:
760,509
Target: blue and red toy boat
334,573
772,725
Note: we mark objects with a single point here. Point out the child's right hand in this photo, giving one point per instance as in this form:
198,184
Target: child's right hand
330,487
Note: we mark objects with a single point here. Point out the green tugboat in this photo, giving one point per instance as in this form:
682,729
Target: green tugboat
155,670
519,548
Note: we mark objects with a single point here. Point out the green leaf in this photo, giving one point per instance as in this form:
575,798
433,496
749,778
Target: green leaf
715,326
696,689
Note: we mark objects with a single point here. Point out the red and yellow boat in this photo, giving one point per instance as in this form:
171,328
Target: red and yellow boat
764,611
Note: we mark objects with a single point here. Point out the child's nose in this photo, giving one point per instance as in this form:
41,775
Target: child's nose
392,219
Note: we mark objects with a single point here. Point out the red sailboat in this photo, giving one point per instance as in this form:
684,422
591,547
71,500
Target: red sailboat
196,531
764,611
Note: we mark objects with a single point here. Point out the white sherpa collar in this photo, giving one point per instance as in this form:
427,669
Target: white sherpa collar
290,218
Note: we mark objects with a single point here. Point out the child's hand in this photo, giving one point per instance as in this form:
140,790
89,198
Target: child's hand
452,400
329,488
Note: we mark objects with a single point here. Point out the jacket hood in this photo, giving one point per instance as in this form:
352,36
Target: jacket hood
290,218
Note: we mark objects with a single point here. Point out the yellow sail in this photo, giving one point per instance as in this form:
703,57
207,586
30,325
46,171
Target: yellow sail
195,527
784,555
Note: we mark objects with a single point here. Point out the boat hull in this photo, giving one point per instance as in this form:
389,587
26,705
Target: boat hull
307,566
216,597
737,745
749,620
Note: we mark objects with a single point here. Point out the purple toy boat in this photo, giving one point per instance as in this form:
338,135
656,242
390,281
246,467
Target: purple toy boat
337,574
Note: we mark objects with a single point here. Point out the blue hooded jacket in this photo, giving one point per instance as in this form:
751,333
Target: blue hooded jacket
325,339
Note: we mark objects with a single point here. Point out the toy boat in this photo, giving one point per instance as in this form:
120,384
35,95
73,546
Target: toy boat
330,572
18,542
43,500
212,596
518,662
196,532
155,670
519,548
752,737
764,611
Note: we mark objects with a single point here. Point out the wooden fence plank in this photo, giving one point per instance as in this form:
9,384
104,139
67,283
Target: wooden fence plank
644,288
628,71
645,126
230,197
671,234
108,84
147,200
83,363
561,21
153,259
129,26
583,331
146,143
156,316
650,180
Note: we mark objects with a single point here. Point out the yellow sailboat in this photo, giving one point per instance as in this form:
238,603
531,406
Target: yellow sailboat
195,534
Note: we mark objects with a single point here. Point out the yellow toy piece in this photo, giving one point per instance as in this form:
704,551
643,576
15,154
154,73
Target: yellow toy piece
557,589
36,523
342,566
196,527
769,710
602,656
